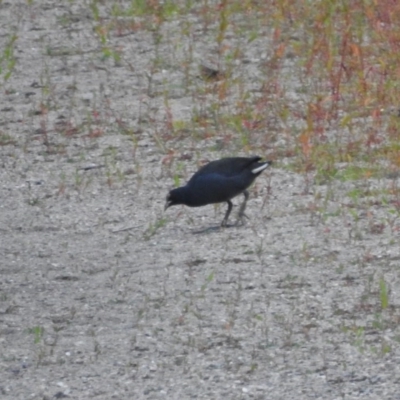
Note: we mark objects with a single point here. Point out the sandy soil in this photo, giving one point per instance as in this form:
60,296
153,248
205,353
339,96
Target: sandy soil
104,296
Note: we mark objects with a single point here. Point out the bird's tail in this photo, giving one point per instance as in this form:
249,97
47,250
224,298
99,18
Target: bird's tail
261,167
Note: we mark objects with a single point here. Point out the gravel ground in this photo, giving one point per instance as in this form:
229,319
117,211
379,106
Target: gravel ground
104,296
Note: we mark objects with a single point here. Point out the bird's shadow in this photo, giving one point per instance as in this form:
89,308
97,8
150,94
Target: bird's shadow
216,228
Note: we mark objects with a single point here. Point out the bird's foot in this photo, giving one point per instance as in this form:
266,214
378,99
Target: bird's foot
241,219
224,223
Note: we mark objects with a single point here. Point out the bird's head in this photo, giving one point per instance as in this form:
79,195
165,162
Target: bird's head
174,197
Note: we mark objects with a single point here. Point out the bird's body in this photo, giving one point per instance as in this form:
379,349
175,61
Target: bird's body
219,181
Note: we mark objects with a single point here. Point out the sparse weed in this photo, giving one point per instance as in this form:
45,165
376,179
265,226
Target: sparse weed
153,228
7,58
37,332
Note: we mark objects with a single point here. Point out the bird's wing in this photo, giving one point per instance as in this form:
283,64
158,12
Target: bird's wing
226,166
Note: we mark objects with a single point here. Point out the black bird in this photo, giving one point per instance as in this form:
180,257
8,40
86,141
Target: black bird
219,181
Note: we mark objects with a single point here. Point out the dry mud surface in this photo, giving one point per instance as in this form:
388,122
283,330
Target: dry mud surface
104,296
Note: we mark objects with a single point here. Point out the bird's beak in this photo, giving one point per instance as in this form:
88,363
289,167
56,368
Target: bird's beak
167,204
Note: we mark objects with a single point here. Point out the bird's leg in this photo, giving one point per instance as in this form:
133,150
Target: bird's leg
241,213
228,211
